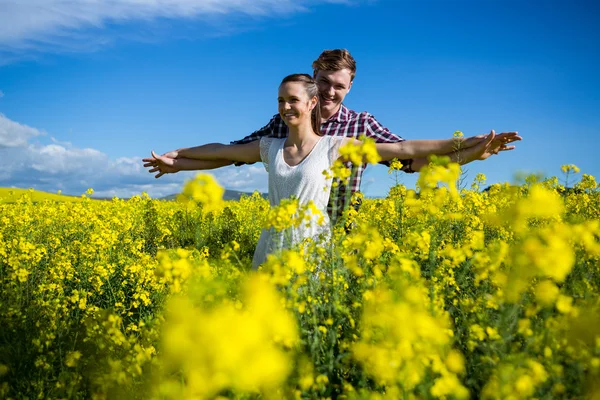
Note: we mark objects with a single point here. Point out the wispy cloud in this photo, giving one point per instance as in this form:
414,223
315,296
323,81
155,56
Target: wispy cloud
1,94
13,134
30,26
62,166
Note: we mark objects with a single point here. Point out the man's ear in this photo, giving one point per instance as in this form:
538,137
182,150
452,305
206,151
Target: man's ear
350,87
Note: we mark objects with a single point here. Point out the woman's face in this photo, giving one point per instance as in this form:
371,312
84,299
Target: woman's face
295,106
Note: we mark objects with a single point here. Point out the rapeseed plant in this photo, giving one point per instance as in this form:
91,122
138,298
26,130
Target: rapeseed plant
435,293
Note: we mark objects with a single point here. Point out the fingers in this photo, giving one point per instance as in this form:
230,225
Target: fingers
503,141
510,140
508,137
502,138
154,165
506,148
502,148
150,162
489,138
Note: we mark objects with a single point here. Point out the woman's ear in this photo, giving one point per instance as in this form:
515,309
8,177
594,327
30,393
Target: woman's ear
313,102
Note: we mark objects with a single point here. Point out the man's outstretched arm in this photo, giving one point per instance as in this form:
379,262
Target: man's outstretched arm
495,144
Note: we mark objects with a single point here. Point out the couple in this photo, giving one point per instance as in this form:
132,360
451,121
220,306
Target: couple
304,138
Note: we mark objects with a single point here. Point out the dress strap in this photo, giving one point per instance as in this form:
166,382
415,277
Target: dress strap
334,148
265,145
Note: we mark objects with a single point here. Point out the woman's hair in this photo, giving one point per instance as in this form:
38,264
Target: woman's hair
312,90
335,60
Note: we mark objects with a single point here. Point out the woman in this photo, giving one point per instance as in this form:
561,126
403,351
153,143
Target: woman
295,164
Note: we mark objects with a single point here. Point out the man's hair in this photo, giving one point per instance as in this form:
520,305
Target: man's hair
335,60
312,90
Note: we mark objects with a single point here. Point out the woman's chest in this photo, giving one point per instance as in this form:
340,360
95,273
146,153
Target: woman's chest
309,168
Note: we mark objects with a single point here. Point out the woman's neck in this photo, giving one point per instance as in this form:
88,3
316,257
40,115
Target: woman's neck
301,135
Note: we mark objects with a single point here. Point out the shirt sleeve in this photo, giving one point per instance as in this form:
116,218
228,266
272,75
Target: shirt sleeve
276,128
266,130
381,134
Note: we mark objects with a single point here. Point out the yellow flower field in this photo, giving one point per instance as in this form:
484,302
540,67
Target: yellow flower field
441,293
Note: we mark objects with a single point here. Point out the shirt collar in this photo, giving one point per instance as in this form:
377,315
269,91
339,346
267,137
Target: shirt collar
341,115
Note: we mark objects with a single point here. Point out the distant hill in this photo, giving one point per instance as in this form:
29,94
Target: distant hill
10,195
228,195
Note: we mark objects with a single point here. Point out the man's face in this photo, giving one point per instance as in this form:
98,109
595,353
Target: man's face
333,87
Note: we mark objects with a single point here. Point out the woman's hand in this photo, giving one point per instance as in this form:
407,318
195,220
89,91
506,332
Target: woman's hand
165,164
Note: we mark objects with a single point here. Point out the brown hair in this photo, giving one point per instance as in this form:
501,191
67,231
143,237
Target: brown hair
312,90
335,60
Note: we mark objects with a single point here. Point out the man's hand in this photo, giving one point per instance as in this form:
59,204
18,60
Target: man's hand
501,141
165,164
498,144
503,138
484,147
491,144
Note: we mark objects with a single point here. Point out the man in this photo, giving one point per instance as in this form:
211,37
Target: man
334,73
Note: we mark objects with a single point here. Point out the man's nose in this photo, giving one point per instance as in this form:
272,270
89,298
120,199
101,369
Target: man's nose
331,91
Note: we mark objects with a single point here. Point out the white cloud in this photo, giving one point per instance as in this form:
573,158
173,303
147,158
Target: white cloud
55,159
246,178
1,94
30,25
14,134
155,191
62,166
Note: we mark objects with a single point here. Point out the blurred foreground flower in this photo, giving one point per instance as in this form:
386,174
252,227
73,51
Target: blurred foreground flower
237,346
205,190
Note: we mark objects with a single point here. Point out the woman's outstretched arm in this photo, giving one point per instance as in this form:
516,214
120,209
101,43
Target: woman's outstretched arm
214,153
248,152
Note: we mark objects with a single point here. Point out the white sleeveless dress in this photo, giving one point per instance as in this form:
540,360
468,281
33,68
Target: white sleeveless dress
305,182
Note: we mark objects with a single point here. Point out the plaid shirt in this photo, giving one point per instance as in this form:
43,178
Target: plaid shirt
346,123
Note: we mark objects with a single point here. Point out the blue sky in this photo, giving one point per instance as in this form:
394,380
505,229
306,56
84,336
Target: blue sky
87,89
